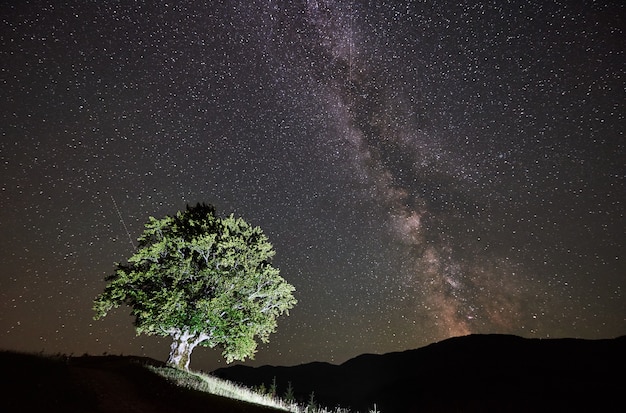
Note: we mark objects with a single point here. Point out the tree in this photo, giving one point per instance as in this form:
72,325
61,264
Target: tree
203,280
289,396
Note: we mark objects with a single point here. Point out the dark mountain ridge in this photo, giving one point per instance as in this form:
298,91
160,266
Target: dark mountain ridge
470,373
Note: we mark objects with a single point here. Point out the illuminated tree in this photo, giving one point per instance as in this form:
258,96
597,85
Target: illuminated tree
203,280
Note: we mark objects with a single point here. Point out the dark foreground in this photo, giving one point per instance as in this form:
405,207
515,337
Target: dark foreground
104,384
477,373
480,373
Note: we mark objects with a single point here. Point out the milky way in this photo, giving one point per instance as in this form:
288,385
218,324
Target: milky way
392,155
423,169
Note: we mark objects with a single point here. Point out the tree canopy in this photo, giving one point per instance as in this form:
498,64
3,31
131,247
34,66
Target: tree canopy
203,280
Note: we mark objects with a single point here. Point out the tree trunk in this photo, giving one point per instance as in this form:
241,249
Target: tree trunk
180,351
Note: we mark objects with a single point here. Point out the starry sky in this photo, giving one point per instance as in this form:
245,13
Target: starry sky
424,169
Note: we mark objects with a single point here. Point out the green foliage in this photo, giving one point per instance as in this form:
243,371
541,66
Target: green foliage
289,396
202,279
312,404
272,389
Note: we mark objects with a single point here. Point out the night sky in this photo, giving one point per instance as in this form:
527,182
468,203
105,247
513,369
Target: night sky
424,169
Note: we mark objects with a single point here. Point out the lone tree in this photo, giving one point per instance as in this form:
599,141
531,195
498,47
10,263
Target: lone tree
203,280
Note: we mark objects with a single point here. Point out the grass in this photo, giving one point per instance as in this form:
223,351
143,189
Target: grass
49,383
225,388
219,387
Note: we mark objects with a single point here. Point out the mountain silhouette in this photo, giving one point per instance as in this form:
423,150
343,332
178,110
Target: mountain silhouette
475,373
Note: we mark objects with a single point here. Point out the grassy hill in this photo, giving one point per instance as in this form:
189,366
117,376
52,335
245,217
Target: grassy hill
480,373
102,384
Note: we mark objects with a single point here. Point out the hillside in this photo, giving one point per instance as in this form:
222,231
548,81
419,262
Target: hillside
100,384
486,373
478,373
